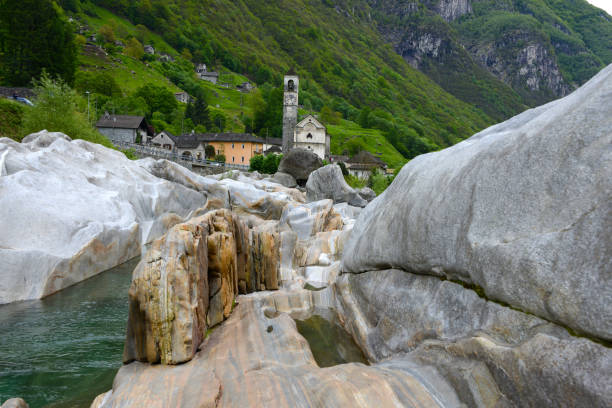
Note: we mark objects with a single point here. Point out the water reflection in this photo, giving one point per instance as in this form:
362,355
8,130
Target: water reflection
329,342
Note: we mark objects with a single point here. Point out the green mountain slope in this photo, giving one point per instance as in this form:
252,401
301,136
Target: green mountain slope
342,60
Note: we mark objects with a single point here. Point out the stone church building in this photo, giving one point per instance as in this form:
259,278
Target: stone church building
309,134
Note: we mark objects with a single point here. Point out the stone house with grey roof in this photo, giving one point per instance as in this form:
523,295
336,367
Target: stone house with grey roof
125,128
363,163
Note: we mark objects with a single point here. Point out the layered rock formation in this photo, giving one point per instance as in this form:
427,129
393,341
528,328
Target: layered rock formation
189,279
257,358
478,257
186,283
71,209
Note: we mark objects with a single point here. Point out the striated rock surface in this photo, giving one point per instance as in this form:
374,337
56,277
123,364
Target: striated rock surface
367,193
257,358
504,247
489,352
328,183
521,210
299,163
72,209
189,280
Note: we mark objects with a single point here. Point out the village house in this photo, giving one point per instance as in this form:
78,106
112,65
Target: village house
338,158
148,49
182,97
203,73
363,163
125,128
164,140
245,87
310,134
238,148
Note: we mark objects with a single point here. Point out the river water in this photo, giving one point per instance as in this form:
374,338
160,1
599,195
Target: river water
64,350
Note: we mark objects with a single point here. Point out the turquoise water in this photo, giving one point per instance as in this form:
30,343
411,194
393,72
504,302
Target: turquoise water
64,350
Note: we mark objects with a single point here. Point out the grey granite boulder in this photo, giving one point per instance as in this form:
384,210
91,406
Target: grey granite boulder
367,193
328,183
521,210
299,163
493,355
284,179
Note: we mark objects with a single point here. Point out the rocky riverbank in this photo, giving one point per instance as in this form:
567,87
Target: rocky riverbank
482,277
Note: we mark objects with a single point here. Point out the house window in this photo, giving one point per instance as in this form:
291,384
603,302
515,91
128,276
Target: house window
243,147
232,145
243,159
309,147
309,136
233,159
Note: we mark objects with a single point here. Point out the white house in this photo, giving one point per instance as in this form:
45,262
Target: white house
310,134
363,163
205,75
164,140
182,97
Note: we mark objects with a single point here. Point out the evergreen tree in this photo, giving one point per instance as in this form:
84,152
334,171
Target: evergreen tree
198,112
35,36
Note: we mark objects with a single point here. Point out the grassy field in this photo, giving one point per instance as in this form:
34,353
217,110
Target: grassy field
350,136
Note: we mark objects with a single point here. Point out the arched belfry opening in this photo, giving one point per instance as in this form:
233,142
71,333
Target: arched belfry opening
291,86
309,136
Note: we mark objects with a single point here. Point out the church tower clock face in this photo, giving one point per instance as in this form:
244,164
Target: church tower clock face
290,99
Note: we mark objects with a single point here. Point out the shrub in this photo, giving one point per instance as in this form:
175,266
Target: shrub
220,158
256,163
270,163
378,181
209,151
12,115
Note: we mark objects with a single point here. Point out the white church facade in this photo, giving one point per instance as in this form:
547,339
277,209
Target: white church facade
310,134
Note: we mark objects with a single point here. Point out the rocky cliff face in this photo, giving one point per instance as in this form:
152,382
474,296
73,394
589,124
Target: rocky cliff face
495,256
516,42
451,10
530,68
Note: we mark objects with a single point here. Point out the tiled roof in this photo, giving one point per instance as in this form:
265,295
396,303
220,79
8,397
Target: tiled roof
364,157
192,140
120,121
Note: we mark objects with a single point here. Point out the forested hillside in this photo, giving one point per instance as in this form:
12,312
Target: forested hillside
395,77
341,59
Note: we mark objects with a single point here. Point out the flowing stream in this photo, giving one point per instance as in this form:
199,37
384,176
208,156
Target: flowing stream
64,350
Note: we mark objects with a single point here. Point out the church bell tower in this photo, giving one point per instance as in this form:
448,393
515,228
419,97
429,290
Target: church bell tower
290,109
